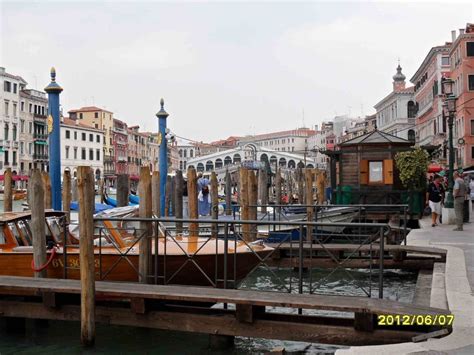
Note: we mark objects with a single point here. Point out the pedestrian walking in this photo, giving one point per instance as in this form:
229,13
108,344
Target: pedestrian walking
204,201
459,194
435,198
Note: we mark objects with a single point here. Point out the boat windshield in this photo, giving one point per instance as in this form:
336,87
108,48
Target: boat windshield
25,231
16,234
2,236
55,228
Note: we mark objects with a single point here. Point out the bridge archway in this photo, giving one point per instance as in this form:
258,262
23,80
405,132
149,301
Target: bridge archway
200,167
237,158
227,160
282,162
273,160
291,164
218,163
209,165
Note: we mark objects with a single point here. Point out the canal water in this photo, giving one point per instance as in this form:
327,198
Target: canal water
63,337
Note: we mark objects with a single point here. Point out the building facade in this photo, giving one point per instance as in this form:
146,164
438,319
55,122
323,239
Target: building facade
396,112
120,143
461,56
295,140
430,124
10,101
81,144
99,118
33,131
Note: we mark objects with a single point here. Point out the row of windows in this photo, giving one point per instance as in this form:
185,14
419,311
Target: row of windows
84,153
35,109
83,136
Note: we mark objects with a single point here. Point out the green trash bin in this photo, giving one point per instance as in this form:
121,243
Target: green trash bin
346,195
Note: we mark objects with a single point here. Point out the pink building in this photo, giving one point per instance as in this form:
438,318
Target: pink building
462,72
431,127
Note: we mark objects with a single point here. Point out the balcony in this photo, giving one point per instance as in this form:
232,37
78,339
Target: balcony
108,158
40,157
39,116
122,159
40,136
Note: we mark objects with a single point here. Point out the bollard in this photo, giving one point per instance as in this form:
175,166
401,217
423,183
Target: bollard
47,190
37,206
123,190
8,191
145,211
214,203
67,194
193,202
178,188
155,193
85,184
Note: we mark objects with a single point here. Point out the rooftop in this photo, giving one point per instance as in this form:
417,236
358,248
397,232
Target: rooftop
75,123
375,137
89,109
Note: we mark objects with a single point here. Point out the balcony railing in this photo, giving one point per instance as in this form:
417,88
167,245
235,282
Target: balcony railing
40,157
37,115
108,158
40,136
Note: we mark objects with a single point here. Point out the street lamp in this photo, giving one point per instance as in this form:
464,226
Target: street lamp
449,111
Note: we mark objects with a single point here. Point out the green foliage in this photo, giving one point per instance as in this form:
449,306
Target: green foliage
413,166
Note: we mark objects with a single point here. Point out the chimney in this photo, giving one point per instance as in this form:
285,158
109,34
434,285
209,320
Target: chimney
77,122
453,35
461,31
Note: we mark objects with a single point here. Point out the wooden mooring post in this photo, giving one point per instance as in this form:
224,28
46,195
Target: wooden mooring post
8,191
145,211
300,180
155,193
75,193
37,205
278,188
244,202
178,197
263,189
123,190
85,179
193,202
47,190
228,193
214,203
253,200
67,194
168,196
309,201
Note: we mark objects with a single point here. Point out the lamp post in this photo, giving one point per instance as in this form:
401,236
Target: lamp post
163,165
449,111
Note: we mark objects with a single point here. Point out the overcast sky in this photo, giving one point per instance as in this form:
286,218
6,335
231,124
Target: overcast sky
223,68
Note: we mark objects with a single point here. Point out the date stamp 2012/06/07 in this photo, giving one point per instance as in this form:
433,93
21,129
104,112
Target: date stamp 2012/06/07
415,319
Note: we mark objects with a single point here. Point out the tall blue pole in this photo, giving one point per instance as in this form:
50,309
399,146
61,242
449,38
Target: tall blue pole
163,166
53,90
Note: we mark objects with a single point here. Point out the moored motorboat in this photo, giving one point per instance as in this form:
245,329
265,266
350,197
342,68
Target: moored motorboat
178,260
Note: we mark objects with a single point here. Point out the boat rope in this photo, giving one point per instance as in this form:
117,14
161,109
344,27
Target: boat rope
42,267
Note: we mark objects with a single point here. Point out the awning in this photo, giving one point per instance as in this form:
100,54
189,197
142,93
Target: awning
41,142
16,177
434,168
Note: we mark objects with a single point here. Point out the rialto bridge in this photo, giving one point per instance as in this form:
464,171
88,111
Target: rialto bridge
233,158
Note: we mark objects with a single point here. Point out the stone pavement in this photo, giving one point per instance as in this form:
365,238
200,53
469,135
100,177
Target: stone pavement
459,282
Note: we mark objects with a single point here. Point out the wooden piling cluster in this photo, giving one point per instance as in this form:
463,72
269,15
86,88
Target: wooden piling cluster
8,191
193,202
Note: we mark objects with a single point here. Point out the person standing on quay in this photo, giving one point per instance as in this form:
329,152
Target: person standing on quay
204,203
434,198
459,194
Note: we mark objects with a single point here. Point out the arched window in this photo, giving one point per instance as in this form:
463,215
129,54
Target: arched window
180,153
209,165
411,135
191,153
300,165
310,166
218,163
185,153
200,167
227,160
237,158
282,162
263,157
411,109
291,164
273,160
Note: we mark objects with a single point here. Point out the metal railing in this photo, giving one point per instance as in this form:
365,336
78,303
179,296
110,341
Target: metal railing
225,258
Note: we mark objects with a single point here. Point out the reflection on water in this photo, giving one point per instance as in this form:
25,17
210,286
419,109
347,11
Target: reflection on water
63,337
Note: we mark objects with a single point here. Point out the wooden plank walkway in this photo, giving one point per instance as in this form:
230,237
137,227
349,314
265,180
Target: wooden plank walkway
249,318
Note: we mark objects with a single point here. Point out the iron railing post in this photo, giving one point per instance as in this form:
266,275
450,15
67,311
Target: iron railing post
381,262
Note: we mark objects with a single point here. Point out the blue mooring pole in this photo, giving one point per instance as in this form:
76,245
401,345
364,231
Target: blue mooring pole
163,166
53,90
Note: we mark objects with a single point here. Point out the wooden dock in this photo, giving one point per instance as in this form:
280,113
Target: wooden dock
184,308
356,256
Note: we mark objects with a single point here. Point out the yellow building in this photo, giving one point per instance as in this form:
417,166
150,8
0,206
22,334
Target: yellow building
101,119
